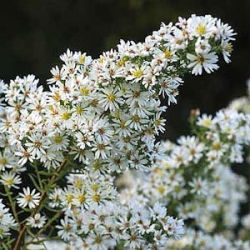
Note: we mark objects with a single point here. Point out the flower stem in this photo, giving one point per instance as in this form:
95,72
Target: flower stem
23,227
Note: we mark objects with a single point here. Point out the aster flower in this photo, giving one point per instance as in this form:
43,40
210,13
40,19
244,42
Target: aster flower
206,61
37,221
28,198
10,180
101,117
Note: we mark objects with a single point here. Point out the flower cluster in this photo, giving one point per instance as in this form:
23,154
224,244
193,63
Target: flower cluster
106,112
194,180
201,240
95,218
95,119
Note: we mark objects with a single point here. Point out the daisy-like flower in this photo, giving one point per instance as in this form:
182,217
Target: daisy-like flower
59,142
4,160
11,180
100,241
133,240
227,49
37,145
206,61
66,229
101,150
24,155
199,187
111,99
28,198
58,75
84,140
54,197
205,121
158,211
37,221
137,73
201,26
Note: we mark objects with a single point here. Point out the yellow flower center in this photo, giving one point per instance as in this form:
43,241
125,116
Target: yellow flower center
81,198
97,165
207,123
167,53
101,146
84,91
78,183
58,139
57,96
229,48
82,59
200,59
135,118
98,239
37,144
122,61
79,110
69,198
9,182
96,198
28,198
216,146
111,97
65,116
201,29
3,161
95,187
137,73
161,189
57,77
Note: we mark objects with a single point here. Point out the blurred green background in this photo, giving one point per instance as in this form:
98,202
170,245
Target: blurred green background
33,33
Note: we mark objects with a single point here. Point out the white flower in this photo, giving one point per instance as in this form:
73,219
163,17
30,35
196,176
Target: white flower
199,186
58,75
137,73
37,221
206,61
111,99
227,49
205,121
101,150
10,180
201,26
28,198
159,211
66,229
25,155
37,145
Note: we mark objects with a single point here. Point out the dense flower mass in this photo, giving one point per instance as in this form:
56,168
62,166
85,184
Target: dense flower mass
97,118
200,240
194,180
106,112
95,218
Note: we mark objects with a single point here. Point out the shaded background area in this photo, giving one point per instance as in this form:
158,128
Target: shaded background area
35,32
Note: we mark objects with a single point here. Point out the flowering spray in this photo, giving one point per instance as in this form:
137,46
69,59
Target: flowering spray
62,146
